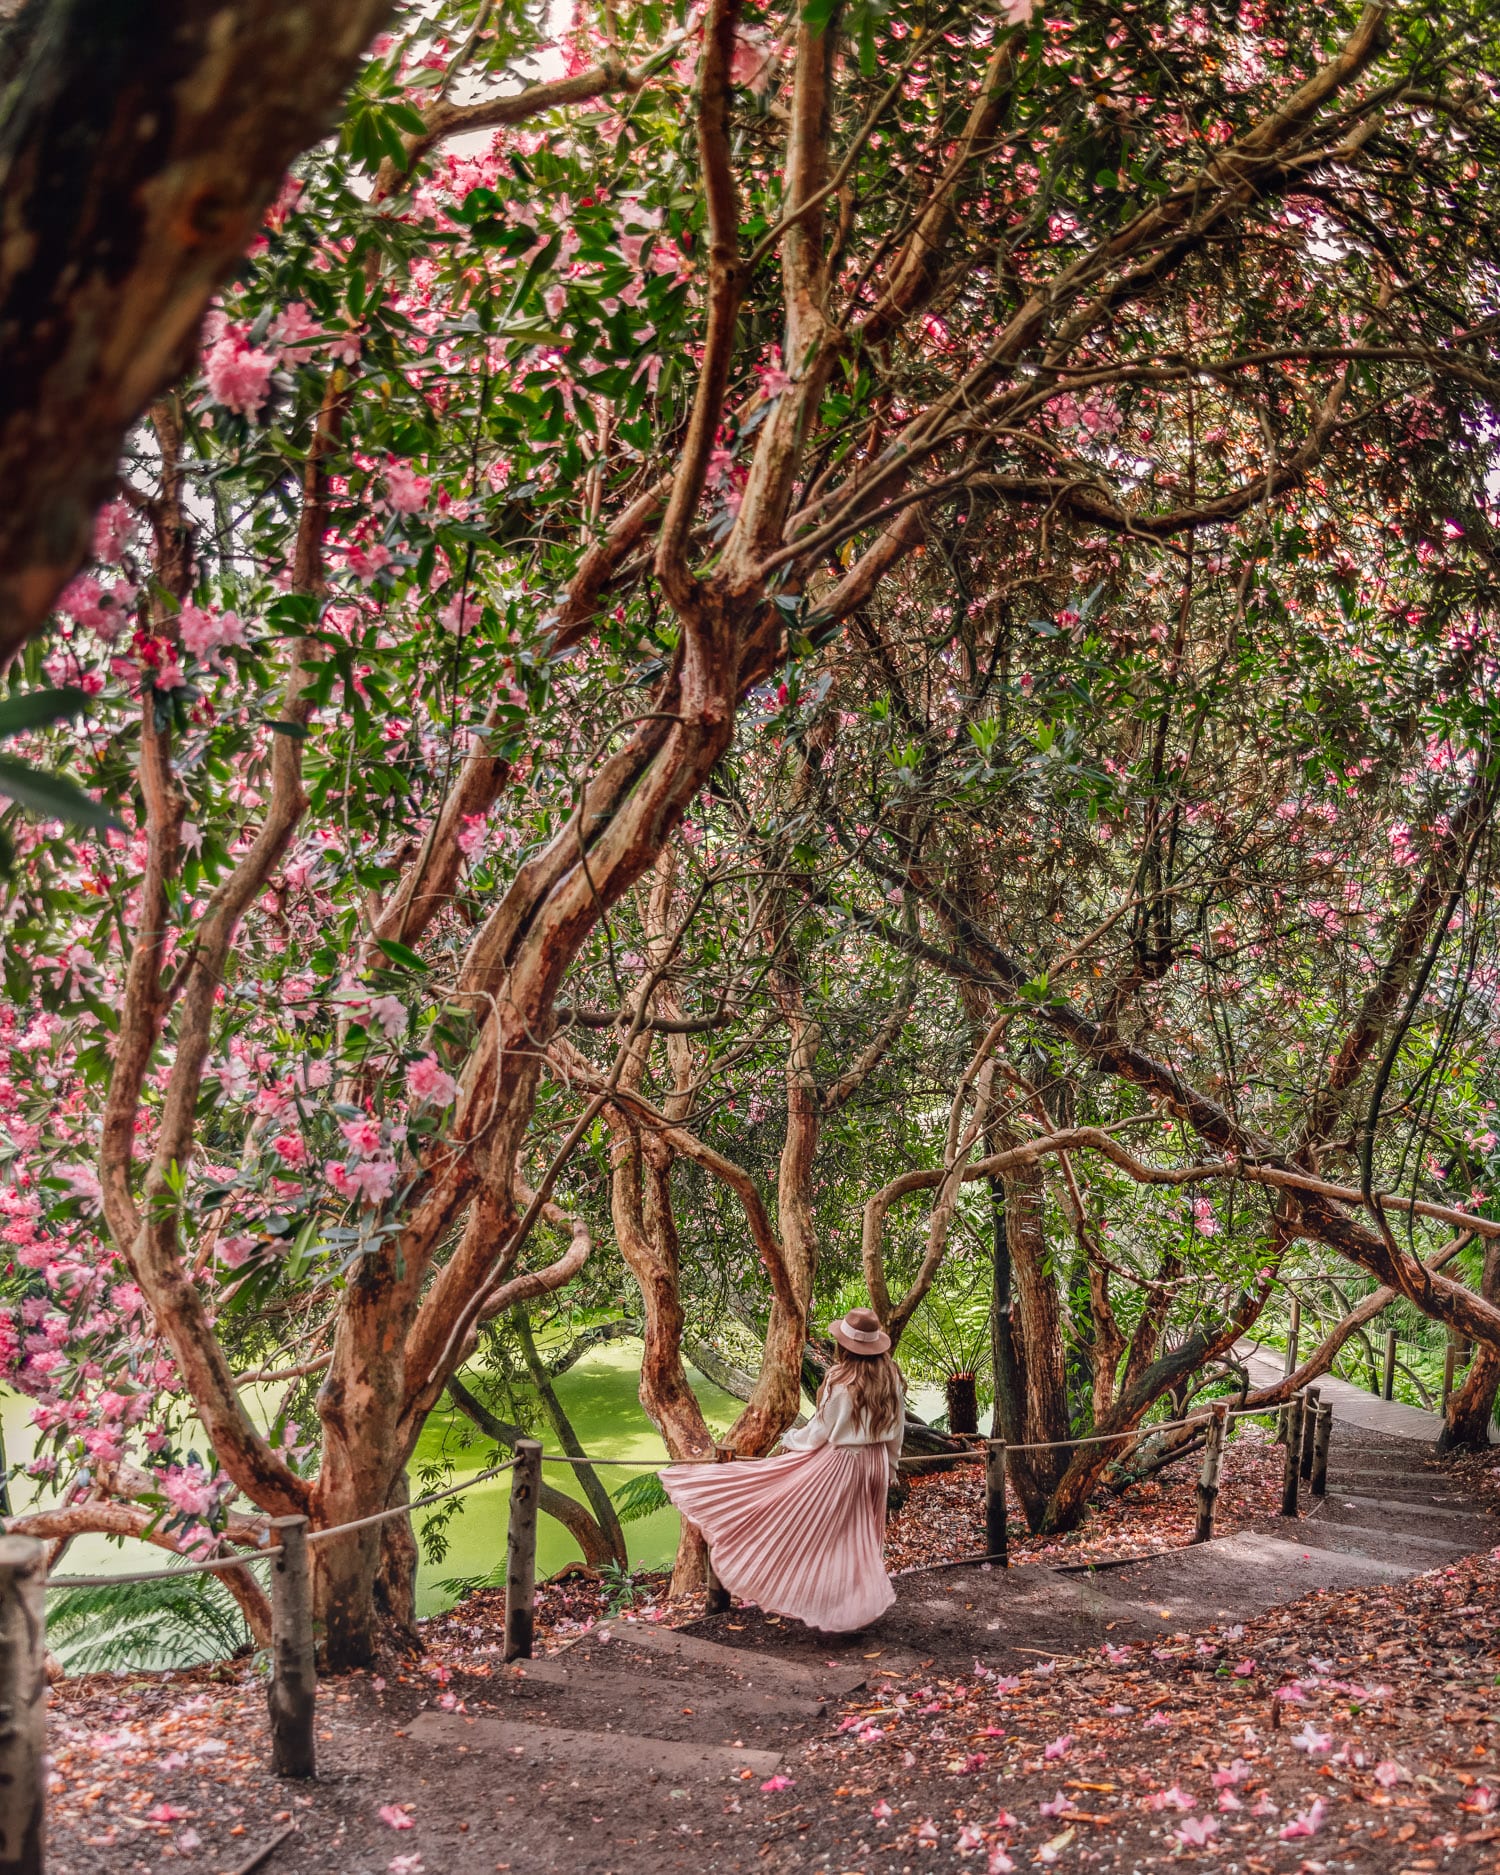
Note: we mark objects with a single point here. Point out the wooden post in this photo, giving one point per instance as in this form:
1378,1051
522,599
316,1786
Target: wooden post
23,1704
1309,1427
1293,1456
716,1601
1450,1361
1208,1484
1321,1438
1293,1336
293,1691
520,1551
1388,1391
996,1534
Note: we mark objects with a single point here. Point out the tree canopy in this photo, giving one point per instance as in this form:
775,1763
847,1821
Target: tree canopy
769,651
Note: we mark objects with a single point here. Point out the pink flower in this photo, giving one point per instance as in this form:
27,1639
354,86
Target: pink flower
113,526
235,1252
239,377
1173,1799
1307,1824
86,602
474,836
295,325
1312,1741
405,1865
1388,1773
1244,1670
189,1489
406,491
390,1013
291,1147
1056,1805
1235,1773
426,1080
460,616
882,1812
363,1136
203,632
373,1179
393,1815
1000,1863
1060,1747
773,1784
1197,1831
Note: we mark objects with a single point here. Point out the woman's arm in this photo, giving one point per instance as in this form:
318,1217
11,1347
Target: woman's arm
825,1425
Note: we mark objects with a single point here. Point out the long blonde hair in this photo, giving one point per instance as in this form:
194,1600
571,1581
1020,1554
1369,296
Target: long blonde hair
875,1387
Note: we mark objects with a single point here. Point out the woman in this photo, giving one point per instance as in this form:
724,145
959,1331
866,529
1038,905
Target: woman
804,1534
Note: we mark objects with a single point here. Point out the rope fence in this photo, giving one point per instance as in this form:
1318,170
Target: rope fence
288,1543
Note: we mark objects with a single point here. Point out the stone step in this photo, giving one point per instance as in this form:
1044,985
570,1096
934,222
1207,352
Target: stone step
763,1671
659,1699
1395,1488
1384,1545
1459,1526
559,1748
1238,1576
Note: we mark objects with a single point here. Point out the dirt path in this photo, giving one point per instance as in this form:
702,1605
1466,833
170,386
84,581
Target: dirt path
747,1743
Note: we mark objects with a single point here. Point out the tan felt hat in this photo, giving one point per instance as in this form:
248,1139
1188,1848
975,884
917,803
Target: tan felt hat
860,1332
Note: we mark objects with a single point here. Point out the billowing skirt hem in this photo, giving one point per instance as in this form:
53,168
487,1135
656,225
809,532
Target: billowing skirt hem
800,1535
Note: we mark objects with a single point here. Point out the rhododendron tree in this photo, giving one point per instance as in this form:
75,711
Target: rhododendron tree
569,632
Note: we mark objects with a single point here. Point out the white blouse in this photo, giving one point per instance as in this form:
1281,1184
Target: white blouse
835,1422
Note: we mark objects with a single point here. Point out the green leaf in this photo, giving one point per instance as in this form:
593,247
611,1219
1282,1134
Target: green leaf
401,954
34,709
297,731
52,797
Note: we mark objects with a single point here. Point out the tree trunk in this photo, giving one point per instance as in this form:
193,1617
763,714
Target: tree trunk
1036,1330
1471,1407
599,1499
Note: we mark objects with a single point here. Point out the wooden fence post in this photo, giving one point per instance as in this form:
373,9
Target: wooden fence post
996,1534
23,1704
293,1691
716,1601
1309,1426
1294,1335
1208,1484
1388,1391
1320,1449
1293,1456
520,1550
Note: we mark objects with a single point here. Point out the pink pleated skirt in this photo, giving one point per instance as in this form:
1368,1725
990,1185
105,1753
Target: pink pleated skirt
800,1535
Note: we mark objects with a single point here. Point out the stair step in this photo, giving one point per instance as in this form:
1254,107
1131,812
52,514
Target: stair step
636,1693
1380,1543
1462,1526
1397,1490
757,1668
1237,1576
560,1748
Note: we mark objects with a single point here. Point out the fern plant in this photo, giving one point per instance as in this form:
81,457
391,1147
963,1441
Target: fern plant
640,1497
184,1621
